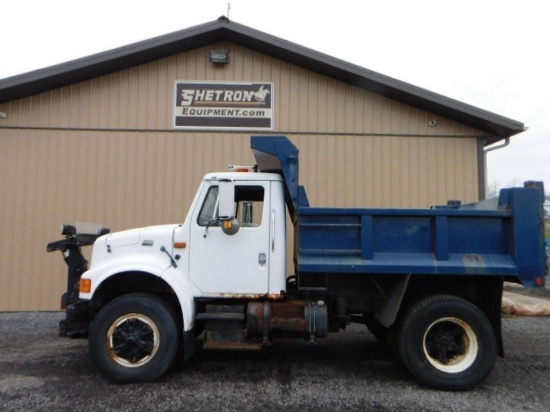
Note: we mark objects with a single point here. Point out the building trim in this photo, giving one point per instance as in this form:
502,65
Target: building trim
224,131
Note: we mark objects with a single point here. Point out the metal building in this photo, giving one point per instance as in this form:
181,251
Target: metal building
123,137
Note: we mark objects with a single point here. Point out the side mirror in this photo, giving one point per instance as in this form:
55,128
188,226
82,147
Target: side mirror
226,205
229,224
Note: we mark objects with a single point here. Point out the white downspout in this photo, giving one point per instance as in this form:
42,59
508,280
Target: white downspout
499,146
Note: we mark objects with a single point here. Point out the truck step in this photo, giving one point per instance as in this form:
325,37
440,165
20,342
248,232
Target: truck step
236,346
220,316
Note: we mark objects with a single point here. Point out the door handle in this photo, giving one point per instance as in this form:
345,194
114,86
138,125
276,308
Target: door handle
273,230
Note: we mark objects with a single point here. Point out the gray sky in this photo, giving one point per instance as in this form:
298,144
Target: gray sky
487,53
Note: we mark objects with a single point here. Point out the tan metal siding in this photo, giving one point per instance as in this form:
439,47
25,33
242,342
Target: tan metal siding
103,151
124,180
387,171
305,102
121,180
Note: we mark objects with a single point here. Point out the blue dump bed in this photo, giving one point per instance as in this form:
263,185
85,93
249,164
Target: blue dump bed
506,240
502,237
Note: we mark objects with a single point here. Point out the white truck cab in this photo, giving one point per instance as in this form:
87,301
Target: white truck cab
198,259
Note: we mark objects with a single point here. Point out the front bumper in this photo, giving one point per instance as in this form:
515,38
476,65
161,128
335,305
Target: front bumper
78,317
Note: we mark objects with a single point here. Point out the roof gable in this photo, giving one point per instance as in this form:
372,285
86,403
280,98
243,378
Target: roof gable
96,65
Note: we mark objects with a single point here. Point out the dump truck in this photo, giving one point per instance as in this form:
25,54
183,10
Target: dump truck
426,282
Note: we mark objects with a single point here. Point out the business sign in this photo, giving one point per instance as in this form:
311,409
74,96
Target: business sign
209,105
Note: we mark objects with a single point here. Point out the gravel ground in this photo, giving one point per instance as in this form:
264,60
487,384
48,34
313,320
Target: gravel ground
347,371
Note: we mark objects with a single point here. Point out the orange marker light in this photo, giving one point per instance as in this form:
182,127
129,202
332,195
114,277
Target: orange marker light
241,169
180,245
85,285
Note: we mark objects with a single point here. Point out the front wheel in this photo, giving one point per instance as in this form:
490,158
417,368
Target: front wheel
134,339
447,343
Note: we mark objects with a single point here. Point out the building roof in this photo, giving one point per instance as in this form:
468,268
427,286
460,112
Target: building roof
27,84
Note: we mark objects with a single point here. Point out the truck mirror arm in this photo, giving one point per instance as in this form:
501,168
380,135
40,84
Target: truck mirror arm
213,222
172,261
229,225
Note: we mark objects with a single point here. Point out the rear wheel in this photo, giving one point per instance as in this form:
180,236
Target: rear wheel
447,343
134,339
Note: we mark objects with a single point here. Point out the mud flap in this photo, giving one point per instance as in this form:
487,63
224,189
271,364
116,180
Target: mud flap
188,344
490,293
388,312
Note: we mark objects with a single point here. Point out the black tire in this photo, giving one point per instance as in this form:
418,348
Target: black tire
447,343
134,338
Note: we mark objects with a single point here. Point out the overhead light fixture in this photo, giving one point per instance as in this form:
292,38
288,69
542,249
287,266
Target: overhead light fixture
219,56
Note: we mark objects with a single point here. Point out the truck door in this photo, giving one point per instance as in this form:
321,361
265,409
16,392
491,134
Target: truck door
232,264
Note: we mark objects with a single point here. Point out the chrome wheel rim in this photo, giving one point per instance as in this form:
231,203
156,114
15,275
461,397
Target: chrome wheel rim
133,340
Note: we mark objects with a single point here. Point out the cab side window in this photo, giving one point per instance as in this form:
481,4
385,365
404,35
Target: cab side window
249,204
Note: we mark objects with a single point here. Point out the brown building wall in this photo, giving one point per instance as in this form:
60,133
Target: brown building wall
104,151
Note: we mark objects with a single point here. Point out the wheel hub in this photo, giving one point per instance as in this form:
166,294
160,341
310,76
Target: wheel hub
132,340
450,345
